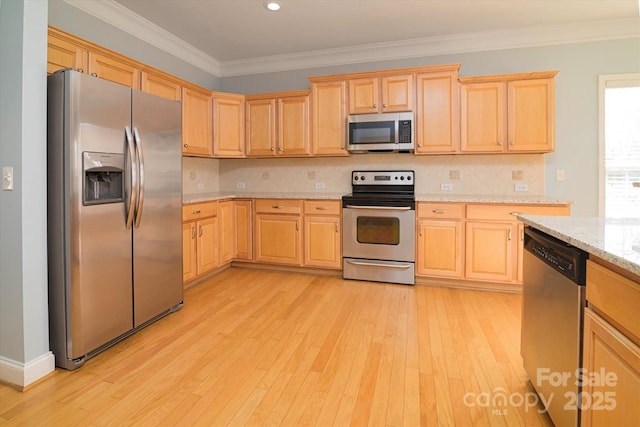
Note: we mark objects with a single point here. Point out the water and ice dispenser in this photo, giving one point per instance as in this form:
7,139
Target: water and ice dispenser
103,175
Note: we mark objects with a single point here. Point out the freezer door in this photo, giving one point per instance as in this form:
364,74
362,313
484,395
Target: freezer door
99,296
157,231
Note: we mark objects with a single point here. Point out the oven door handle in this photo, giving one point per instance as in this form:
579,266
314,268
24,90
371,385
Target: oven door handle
383,208
377,264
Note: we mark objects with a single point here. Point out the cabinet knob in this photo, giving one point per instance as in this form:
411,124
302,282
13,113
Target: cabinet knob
500,143
375,105
514,213
510,142
384,105
80,70
186,145
94,74
241,150
271,148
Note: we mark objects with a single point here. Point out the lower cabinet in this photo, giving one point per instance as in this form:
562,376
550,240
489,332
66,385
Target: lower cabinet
491,251
322,234
200,246
226,213
440,240
243,216
611,347
278,235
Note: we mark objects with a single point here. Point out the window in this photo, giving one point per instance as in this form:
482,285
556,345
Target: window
620,145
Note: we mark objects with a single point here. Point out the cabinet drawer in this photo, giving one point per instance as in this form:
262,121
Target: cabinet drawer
615,296
322,207
282,206
199,210
500,212
440,210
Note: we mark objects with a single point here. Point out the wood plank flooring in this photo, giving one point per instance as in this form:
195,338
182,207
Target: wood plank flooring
263,348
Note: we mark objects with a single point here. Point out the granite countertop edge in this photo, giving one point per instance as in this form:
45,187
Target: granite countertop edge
571,234
223,195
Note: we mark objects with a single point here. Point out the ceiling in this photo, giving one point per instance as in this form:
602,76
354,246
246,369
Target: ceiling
240,31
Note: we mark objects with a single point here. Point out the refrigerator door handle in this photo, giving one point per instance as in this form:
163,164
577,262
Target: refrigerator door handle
133,194
140,205
138,141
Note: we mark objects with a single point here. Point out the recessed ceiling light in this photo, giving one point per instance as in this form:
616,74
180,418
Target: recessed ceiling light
272,5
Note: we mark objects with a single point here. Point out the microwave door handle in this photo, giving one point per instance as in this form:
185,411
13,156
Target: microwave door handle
382,208
396,125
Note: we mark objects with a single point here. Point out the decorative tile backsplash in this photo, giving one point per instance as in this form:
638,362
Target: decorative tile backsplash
490,174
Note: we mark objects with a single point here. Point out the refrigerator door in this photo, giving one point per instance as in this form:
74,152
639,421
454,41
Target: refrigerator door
157,231
99,296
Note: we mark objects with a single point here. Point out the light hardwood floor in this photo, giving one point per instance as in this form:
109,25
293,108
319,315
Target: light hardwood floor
254,347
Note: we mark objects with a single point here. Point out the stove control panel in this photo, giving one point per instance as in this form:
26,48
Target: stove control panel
405,177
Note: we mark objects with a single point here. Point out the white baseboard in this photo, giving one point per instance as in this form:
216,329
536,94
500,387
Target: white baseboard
23,374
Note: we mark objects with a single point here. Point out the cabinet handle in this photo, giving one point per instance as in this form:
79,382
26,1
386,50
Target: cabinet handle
200,231
193,232
514,213
336,227
420,230
80,70
277,206
321,208
195,212
522,234
439,211
509,236
296,225
94,74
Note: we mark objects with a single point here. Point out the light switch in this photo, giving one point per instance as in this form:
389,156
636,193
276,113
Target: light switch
7,178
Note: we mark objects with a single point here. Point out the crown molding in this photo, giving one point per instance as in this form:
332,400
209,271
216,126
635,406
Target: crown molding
120,17
443,45
115,14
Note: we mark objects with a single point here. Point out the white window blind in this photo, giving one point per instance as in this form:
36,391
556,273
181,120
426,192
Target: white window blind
621,151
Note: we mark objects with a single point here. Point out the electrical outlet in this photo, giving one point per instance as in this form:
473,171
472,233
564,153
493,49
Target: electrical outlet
319,185
560,175
240,185
521,187
446,186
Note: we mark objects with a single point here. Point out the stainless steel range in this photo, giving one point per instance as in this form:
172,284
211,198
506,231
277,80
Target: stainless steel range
378,242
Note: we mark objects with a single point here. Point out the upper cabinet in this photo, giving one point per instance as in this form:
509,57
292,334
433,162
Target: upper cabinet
228,125
386,93
160,85
114,69
277,124
329,117
438,111
511,113
62,52
196,122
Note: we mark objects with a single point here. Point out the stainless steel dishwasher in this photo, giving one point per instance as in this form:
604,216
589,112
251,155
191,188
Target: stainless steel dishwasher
553,301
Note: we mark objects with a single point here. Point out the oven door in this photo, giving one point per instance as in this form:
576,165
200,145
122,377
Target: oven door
379,233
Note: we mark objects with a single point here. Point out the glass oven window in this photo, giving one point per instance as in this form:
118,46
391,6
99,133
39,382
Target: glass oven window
377,230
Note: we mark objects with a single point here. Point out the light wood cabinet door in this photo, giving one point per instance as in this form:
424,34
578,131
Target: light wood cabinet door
189,249
228,125
439,251
114,70
322,241
226,217
196,122
437,113
491,251
278,239
329,118
364,95
397,93
208,251
293,126
243,230
531,115
65,54
608,353
160,86
261,127
483,117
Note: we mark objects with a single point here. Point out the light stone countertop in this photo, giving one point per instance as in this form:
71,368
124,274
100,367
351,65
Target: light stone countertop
613,239
453,198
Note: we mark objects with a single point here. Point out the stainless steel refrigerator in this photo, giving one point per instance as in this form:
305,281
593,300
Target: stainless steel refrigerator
114,213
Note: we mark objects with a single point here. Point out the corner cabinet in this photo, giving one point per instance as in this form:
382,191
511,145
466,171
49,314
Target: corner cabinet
196,122
508,113
329,118
228,125
611,347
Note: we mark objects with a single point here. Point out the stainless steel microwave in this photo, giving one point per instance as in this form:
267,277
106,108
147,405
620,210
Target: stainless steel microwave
385,132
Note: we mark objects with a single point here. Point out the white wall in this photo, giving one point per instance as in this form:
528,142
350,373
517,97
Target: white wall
24,331
576,100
